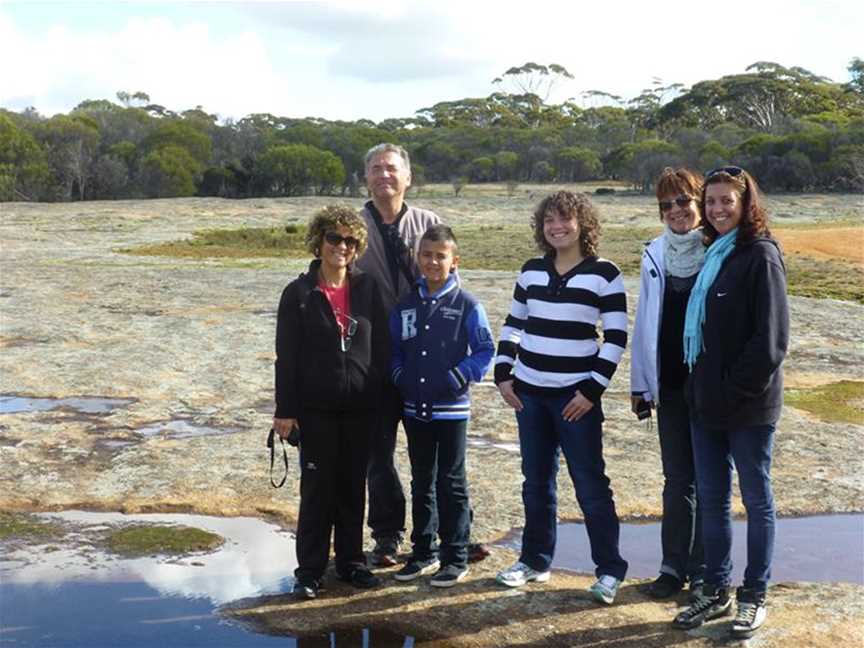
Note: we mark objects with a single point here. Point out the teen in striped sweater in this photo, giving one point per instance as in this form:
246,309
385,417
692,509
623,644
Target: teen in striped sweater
552,371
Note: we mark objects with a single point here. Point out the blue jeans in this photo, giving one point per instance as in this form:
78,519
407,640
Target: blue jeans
750,449
681,529
439,490
543,432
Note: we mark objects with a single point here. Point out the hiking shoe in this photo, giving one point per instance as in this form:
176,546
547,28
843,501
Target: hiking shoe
751,613
414,569
477,551
448,576
663,587
306,589
605,589
385,552
712,603
360,577
519,573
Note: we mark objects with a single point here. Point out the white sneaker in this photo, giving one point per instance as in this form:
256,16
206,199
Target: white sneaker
605,589
519,573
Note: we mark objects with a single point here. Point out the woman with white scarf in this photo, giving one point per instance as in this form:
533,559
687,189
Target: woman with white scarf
670,264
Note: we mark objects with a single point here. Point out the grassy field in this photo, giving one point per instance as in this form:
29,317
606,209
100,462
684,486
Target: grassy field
506,247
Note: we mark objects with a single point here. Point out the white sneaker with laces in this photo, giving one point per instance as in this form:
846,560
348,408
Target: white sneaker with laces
519,573
748,619
605,589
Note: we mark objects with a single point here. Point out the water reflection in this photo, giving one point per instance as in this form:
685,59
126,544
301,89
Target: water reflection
822,548
77,595
10,404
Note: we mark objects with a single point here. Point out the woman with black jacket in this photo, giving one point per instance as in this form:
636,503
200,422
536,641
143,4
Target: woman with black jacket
332,349
736,334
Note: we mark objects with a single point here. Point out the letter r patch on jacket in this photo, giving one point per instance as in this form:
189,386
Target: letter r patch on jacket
409,323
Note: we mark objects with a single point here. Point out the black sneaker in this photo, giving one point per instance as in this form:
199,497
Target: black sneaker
663,587
694,591
361,578
414,569
448,576
385,553
713,603
478,551
751,613
306,589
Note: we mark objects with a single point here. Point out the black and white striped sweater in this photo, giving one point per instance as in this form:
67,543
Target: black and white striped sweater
548,343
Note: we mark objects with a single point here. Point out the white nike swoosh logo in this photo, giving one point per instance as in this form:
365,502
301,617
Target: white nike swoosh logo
722,294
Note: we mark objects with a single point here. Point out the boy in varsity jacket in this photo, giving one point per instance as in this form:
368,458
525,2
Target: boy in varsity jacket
441,343
553,371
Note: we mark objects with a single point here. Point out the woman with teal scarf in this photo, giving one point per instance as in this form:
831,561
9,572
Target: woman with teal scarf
736,334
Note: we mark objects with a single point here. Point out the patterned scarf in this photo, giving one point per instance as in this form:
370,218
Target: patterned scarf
683,254
714,258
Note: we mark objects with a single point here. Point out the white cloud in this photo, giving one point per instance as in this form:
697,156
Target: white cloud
344,60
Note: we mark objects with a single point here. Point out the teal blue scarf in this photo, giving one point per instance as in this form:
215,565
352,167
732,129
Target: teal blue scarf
714,258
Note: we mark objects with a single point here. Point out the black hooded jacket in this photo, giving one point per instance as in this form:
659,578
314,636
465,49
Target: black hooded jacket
312,371
738,378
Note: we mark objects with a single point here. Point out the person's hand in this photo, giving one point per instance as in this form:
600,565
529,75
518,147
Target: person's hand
509,396
283,426
636,402
576,408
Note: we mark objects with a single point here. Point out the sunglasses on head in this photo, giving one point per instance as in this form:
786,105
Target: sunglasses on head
335,239
681,201
728,170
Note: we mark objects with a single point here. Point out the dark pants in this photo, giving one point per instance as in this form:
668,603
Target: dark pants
386,497
542,432
681,532
439,490
333,455
750,448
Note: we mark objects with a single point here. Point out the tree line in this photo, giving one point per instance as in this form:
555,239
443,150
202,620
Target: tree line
794,130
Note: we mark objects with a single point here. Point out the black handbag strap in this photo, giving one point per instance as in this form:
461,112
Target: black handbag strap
272,446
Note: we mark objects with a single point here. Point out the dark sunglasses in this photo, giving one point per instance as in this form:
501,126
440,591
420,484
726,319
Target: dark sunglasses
728,170
335,239
681,201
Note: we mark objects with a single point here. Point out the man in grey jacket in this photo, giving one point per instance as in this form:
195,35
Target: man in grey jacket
395,230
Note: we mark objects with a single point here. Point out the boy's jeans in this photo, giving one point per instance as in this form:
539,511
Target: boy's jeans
439,489
681,530
542,431
750,448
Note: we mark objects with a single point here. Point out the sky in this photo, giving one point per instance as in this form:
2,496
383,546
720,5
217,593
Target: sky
348,60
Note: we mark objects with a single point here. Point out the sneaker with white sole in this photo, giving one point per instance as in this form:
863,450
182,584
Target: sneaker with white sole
414,569
448,576
517,574
605,589
751,613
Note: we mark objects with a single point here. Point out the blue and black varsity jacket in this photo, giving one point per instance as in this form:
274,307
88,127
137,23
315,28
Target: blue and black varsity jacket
441,343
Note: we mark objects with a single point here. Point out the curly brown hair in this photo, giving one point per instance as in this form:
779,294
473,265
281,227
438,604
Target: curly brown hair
754,218
331,218
575,205
679,182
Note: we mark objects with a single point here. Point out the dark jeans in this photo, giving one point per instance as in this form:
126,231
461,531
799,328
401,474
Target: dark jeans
681,529
542,432
439,489
333,455
715,450
386,497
